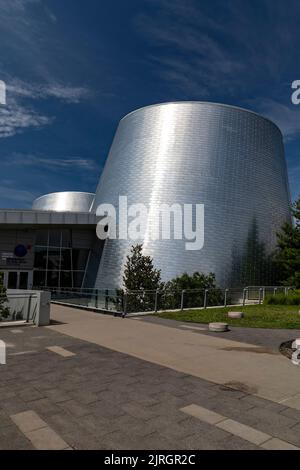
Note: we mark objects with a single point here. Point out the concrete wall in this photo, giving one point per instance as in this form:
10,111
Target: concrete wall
30,304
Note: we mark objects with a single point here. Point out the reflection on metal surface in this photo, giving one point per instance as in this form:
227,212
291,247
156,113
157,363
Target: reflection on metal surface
68,201
229,159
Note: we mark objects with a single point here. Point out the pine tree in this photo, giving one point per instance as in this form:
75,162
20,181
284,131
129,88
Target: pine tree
288,251
140,276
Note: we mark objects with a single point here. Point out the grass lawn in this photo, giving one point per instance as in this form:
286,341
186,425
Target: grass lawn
255,316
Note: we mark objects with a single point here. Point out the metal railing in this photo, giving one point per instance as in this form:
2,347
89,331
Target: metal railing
118,301
18,307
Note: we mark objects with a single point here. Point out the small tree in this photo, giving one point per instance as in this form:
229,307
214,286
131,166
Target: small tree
288,252
4,311
195,285
140,276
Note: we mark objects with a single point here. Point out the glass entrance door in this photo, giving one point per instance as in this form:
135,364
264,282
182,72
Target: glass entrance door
12,280
23,280
18,280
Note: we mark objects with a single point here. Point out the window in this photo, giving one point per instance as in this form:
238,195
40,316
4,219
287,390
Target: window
78,279
53,259
53,279
41,238
56,263
66,238
54,237
40,258
79,259
39,278
65,261
66,279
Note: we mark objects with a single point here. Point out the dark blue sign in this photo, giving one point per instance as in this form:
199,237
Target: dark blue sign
20,251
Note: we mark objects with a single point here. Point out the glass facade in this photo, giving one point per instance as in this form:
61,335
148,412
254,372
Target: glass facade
56,262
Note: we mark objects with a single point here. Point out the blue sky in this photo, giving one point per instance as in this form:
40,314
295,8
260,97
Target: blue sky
73,68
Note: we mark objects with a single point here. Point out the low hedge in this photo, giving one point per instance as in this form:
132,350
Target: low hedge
281,299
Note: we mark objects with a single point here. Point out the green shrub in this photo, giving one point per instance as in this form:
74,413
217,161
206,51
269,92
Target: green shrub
281,299
4,310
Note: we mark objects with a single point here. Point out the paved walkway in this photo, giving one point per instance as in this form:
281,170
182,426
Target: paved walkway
59,391
260,370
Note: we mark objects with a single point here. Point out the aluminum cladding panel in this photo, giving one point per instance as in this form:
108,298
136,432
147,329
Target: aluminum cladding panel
68,201
229,159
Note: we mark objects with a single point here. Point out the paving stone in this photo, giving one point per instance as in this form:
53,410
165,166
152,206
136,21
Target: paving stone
84,396
138,411
203,414
30,394
46,439
236,443
199,442
122,440
291,413
105,409
75,408
62,423
83,441
56,395
44,407
245,432
270,422
98,426
13,405
28,421
293,402
5,420
13,439
277,444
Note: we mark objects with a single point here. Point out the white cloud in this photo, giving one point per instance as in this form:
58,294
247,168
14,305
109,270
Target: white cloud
287,117
67,93
12,193
51,163
15,118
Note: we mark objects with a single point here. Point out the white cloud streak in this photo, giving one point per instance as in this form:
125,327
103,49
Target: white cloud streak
287,117
67,93
15,118
51,163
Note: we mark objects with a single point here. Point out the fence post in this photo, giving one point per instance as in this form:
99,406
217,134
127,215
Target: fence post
156,301
96,299
225,298
125,306
205,298
106,299
275,290
28,310
244,296
182,300
260,294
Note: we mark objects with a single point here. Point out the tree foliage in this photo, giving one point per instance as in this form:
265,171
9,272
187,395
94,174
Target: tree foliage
288,251
4,310
140,276
195,286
